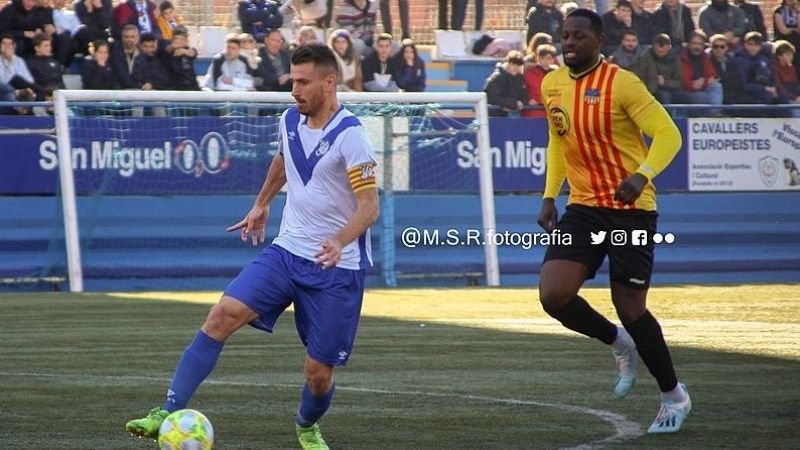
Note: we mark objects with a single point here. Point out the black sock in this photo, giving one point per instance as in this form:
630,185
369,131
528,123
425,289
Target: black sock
578,316
652,348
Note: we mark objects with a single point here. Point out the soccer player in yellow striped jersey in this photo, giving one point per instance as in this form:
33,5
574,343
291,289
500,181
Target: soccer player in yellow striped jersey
596,115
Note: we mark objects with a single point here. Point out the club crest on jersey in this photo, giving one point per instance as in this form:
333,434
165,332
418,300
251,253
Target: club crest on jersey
592,96
324,145
559,120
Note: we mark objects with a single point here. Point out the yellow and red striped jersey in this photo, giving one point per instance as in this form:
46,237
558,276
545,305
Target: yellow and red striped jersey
596,120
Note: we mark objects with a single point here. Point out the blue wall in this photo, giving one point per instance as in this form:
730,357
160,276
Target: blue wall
180,242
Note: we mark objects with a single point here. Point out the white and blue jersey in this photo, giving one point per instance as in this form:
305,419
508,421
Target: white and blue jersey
320,198
324,168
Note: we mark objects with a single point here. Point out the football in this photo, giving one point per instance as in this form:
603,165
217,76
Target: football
186,429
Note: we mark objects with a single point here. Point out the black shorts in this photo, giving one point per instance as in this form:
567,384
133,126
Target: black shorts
630,263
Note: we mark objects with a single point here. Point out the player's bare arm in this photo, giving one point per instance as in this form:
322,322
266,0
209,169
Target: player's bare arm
255,222
548,216
630,188
367,212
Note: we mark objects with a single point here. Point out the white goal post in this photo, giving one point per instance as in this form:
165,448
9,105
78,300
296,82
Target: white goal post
67,183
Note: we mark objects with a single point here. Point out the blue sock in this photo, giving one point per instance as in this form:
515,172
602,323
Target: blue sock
196,364
313,408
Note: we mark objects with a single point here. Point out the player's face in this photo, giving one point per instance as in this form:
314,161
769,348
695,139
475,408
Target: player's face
311,87
696,46
580,44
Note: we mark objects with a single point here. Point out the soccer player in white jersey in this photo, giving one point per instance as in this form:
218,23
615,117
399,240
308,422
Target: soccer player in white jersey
318,258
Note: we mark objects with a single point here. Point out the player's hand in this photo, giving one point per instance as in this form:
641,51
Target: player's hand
630,189
254,224
548,216
330,254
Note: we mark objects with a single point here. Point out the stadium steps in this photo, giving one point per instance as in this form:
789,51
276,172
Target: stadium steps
446,86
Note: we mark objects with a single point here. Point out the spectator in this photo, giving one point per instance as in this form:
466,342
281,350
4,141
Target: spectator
96,18
48,95
15,78
274,69
760,82
533,43
167,21
409,69
141,13
249,50
505,87
787,25
378,67
615,23
629,52
660,70
755,18
96,72
307,12
642,21
324,22
533,76
720,17
64,20
350,78
229,70
567,8
22,19
460,14
729,71
545,18
123,53
785,71
148,70
358,18
178,59
257,17
405,27
45,69
306,35
674,19
700,81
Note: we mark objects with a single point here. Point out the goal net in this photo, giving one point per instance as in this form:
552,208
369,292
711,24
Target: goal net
150,180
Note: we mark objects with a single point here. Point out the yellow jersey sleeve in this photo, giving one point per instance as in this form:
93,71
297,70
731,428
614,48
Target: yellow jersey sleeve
556,163
654,121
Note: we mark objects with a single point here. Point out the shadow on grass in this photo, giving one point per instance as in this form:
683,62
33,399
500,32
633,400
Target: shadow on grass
75,368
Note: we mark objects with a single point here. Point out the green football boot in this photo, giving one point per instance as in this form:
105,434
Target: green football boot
148,426
310,438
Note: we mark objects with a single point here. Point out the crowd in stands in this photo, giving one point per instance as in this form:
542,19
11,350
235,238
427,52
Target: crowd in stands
724,58
139,44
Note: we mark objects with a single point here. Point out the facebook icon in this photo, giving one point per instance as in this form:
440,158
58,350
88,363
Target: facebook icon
639,237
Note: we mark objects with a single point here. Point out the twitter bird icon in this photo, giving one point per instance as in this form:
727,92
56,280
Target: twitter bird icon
598,238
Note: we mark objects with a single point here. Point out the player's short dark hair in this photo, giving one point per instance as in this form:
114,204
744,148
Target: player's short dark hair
40,37
596,23
9,37
318,54
148,37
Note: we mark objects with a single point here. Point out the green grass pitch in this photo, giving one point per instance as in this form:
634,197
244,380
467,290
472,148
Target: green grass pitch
432,369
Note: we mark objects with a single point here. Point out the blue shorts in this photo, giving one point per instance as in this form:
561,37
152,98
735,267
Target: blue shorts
327,303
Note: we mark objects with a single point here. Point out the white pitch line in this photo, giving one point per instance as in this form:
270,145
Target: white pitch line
624,429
